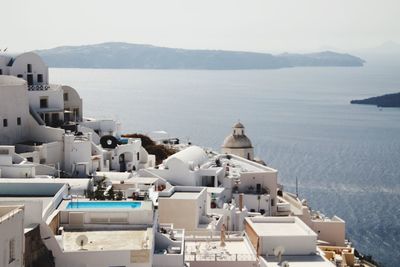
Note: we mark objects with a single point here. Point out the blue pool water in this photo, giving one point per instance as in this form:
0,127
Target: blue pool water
103,205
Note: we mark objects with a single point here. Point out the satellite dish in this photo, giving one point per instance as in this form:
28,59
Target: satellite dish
81,241
278,252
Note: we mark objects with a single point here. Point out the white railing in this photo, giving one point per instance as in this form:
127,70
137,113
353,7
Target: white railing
219,257
38,87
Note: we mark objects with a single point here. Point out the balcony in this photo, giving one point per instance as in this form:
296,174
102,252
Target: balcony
38,87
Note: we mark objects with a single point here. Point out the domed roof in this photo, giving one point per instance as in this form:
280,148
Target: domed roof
237,141
238,125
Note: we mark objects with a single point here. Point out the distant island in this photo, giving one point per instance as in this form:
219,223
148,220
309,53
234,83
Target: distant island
138,56
387,101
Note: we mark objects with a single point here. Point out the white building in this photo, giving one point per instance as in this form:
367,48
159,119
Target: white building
194,166
11,236
45,124
268,233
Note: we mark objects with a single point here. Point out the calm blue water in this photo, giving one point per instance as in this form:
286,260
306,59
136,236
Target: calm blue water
346,157
104,205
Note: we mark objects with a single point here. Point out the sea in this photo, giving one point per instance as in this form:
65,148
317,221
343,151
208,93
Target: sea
345,157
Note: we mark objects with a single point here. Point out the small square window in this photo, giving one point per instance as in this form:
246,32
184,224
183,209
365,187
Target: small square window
5,123
44,103
40,78
19,121
20,76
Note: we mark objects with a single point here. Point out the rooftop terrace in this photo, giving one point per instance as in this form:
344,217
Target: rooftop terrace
108,240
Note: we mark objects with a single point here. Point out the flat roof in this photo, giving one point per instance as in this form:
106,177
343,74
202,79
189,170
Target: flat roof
185,195
279,229
275,226
107,240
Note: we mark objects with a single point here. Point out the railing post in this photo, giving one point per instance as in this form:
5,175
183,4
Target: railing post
215,257
236,257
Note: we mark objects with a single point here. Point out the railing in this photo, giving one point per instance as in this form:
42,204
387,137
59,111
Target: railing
38,87
219,257
207,234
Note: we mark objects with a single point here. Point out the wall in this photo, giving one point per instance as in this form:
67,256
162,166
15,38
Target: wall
103,127
182,213
14,104
241,152
12,227
33,209
77,151
18,171
332,231
253,201
100,259
73,102
266,179
43,133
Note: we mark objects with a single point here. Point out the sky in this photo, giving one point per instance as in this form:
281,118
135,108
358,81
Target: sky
251,25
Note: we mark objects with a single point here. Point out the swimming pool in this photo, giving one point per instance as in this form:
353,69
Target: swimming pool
103,205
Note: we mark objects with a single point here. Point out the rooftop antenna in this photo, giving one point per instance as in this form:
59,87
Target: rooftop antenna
297,187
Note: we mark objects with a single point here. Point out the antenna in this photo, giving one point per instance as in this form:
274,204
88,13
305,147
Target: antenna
278,252
81,241
297,187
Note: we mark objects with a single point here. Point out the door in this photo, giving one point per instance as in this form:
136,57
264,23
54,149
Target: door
258,188
47,118
29,78
122,165
55,119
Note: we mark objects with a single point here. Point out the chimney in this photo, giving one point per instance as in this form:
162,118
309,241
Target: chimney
241,201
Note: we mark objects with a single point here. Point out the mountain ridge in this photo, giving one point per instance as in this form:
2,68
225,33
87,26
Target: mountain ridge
145,56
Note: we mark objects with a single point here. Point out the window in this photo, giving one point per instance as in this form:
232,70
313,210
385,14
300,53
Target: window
44,103
11,251
65,96
20,76
29,67
19,121
40,78
137,156
1,72
5,123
